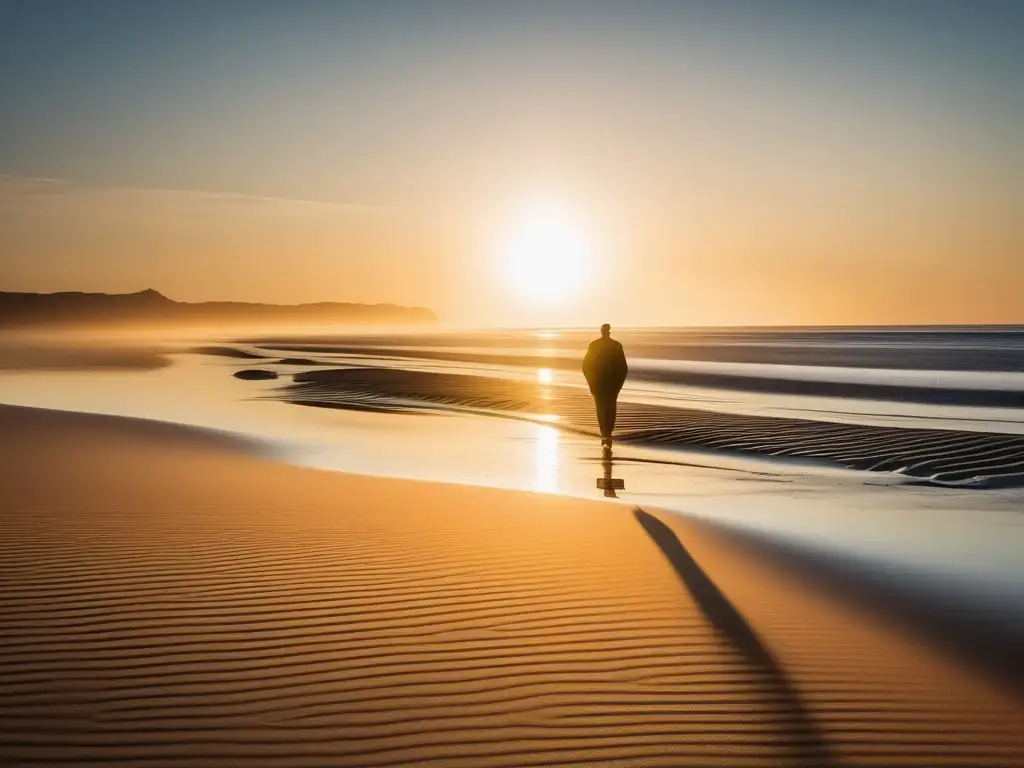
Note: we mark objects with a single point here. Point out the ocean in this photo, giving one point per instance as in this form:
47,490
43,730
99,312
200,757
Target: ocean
943,405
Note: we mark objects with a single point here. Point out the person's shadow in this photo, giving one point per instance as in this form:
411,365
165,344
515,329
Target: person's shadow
765,674
606,482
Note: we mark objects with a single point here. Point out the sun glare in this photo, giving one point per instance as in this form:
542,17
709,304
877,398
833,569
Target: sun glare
545,259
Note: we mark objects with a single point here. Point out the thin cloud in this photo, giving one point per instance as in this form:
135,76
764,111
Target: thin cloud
26,195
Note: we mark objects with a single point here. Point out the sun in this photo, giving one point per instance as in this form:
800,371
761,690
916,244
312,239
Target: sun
546,256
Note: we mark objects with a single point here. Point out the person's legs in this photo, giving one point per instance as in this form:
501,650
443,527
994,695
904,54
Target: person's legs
606,412
601,406
611,413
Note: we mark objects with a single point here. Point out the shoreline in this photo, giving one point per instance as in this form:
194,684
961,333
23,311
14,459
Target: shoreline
507,453
960,543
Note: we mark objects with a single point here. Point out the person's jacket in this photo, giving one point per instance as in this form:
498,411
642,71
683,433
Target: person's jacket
604,366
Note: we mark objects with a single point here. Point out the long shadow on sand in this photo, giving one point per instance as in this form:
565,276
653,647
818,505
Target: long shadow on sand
808,744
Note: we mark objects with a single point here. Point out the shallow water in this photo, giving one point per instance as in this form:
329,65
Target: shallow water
965,379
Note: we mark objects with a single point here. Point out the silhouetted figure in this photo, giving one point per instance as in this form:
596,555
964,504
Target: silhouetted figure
605,369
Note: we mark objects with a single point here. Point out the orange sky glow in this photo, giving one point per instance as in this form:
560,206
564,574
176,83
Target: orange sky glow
703,167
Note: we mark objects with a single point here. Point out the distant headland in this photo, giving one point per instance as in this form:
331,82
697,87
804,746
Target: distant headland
151,307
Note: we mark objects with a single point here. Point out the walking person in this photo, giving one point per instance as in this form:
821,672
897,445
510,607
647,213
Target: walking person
605,369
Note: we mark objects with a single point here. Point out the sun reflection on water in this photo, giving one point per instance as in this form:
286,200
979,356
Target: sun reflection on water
544,376
545,460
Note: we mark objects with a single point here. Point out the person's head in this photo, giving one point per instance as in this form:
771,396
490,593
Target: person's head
606,330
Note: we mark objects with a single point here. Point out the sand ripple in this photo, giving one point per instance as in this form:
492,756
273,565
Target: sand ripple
172,603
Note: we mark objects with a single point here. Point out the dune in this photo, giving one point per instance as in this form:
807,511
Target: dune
171,598
934,456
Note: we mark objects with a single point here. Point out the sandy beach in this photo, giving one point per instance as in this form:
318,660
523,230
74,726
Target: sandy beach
168,597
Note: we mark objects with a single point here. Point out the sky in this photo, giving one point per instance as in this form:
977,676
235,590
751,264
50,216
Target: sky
523,163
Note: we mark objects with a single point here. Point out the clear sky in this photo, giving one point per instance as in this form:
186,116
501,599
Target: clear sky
523,162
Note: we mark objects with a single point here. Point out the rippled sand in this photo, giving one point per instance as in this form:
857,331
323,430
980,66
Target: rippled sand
168,600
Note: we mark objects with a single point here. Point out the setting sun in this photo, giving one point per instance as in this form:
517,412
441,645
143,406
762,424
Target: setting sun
545,258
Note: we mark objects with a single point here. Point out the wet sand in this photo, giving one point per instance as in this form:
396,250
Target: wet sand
933,456
169,598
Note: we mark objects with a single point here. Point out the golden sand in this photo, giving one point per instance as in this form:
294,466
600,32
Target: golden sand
168,599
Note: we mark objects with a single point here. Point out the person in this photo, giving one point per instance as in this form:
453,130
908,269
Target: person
605,369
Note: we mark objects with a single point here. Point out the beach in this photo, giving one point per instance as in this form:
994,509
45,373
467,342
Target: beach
198,568
171,597
511,385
